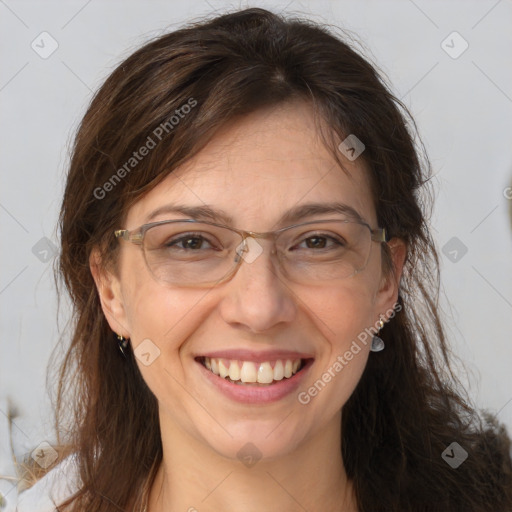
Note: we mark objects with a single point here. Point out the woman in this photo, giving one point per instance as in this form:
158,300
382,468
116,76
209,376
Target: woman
244,238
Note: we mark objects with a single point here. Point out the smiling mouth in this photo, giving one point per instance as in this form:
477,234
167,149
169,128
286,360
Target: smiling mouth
249,373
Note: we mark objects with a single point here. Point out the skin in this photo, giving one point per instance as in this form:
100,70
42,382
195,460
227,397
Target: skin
254,169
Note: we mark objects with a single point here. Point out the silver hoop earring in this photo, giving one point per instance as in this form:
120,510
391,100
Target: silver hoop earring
378,343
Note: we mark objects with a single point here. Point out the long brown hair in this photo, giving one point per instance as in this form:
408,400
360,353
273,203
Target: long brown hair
408,407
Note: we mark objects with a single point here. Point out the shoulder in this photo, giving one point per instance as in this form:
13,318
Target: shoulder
55,487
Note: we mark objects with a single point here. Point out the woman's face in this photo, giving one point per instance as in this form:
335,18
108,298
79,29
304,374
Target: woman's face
254,171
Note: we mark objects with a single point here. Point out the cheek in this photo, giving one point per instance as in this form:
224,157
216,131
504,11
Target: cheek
161,319
153,310
342,312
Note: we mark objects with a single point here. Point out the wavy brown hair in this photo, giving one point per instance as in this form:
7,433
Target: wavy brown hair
408,406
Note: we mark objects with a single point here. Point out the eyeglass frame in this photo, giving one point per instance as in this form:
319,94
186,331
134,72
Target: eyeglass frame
136,237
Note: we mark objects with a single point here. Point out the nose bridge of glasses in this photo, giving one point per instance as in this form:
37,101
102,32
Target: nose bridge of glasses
254,245
249,249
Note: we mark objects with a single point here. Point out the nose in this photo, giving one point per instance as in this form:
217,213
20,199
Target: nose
257,297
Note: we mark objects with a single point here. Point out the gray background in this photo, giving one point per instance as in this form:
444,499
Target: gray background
463,107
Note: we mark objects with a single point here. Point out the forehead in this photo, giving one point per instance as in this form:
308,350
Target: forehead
258,168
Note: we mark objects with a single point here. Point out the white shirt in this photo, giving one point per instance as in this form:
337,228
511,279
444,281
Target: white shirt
51,490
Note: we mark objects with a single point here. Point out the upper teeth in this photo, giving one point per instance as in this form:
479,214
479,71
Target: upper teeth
248,371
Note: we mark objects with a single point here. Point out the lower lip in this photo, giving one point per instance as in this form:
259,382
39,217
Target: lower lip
249,394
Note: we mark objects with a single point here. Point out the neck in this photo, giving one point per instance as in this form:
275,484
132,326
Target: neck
193,477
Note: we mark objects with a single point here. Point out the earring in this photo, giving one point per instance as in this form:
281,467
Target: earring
123,345
378,343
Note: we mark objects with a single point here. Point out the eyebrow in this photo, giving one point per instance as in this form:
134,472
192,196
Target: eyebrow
295,214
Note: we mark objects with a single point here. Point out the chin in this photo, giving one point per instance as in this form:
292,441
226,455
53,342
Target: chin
257,440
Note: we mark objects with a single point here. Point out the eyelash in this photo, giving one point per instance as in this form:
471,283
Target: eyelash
185,237
188,236
325,236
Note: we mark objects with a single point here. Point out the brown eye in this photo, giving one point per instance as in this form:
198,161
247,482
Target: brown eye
189,241
195,242
316,242
320,242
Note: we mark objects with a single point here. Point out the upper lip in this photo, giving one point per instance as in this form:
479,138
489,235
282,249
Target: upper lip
256,357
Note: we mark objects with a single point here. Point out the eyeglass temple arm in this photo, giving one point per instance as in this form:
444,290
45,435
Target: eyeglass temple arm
135,238
379,235
122,233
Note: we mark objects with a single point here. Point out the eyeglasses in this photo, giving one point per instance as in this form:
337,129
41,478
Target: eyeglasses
195,253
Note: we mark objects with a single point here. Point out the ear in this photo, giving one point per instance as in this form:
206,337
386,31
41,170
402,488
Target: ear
387,294
109,291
